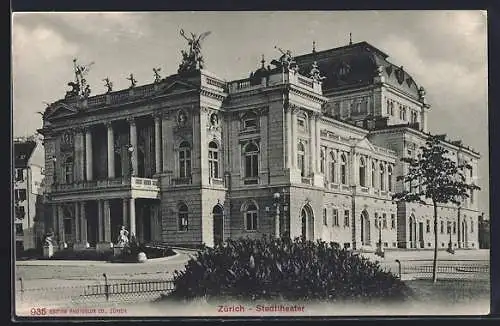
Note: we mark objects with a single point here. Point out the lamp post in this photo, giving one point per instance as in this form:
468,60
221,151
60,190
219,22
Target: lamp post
450,244
380,251
130,150
276,197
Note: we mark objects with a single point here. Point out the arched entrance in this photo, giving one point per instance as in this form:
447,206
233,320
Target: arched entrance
365,228
218,215
307,218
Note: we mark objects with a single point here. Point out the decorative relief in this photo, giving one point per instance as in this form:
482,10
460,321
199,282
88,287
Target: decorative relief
182,118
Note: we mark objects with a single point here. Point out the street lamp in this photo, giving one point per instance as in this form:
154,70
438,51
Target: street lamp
130,150
380,251
450,244
276,197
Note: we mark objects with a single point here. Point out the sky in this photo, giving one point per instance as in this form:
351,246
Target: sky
444,51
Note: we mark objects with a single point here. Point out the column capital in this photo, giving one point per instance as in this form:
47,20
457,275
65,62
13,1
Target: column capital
157,116
108,124
131,120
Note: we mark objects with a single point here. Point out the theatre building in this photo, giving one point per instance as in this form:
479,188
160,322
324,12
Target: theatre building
306,146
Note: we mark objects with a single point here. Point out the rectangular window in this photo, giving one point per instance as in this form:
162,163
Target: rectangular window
393,221
21,194
376,221
384,220
19,229
19,175
324,217
67,226
301,123
428,226
346,218
454,227
442,227
251,221
448,227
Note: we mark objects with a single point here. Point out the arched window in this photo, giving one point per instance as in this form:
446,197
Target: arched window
374,174
388,107
331,171
362,172
389,178
184,160
382,176
322,161
301,159
251,217
251,153
213,159
392,108
343,169
471,226
68,170
182,217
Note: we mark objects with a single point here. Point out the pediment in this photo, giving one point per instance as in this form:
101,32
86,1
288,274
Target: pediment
60,110
365,144
176,87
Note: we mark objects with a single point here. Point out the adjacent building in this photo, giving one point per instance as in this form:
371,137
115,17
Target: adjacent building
28,190
309,146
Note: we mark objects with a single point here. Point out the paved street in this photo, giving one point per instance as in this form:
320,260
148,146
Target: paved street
54,273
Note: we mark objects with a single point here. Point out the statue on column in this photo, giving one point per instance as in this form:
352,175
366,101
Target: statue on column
286,61
123,237
192,59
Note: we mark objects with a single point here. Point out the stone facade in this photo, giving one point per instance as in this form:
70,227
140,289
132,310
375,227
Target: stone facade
193,159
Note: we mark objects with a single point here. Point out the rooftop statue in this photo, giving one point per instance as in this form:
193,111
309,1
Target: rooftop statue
133,81
192,59
108,84
79,87
286,61
157,75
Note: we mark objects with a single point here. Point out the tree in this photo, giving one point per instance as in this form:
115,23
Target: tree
433,176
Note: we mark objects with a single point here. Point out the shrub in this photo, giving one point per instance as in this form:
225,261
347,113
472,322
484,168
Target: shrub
281,268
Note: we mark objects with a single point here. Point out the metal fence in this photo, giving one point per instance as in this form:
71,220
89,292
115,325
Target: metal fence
446,269
94,294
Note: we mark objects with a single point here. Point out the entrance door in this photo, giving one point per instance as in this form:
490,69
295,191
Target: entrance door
218,214
421,234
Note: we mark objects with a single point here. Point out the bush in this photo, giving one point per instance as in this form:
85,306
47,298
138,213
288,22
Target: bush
284,269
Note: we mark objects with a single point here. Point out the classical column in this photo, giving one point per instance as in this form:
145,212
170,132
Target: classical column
77,223
107,221
124,213
111,152
318,143
132,216
133,143
158,164
312,147
290,142
165,141
100,221
88,153
60,223
83,220
294,137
